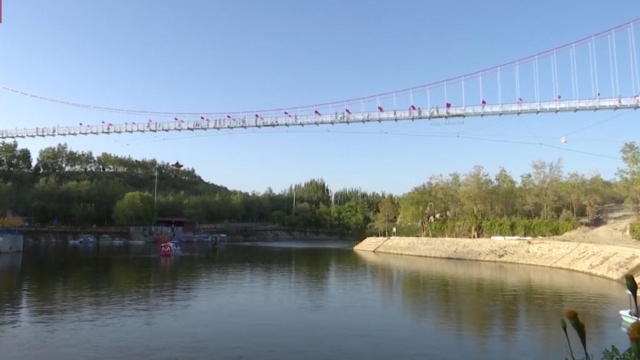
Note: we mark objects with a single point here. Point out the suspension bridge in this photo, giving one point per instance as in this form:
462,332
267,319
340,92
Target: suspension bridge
597,73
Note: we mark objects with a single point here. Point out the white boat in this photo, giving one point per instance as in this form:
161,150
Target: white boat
117,241
626,315
221,238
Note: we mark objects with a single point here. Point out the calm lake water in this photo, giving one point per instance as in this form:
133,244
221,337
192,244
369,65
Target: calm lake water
290,300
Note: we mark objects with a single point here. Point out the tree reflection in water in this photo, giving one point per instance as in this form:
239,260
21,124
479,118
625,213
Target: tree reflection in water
491,300
355,304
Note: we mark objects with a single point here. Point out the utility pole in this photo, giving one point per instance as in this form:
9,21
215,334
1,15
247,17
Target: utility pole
155,193
294,202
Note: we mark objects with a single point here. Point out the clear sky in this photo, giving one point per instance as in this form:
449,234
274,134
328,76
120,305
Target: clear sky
231,55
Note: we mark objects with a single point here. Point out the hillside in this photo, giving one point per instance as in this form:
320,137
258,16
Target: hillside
67,187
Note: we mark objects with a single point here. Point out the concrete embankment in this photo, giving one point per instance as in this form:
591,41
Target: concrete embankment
607,261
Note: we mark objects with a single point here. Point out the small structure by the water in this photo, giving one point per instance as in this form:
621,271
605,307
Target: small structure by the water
186,225
167,229
10,241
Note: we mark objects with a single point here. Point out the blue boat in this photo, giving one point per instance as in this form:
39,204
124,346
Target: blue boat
83,240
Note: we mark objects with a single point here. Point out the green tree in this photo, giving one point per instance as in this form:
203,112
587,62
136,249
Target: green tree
630,176
387,215
104,194
314,192
574,189
545,179
593,195
83,213
278,217
74,187
444,196
354,215
7,192
49,202
135,208
476,192
14,159
54,159
414,207
505,193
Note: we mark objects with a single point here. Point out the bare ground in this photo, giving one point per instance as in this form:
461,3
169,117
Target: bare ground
614,232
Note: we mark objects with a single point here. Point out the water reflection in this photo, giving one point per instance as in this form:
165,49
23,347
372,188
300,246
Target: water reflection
488,300
10,297
289,301
10,263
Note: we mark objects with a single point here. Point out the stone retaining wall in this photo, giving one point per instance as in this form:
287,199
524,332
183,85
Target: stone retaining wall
610,262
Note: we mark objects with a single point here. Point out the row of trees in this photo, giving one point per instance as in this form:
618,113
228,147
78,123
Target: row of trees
70,187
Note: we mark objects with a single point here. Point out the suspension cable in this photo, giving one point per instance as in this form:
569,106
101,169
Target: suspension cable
480,80
613,86
633,78
635,57
499,88
575,66
573,75
517,73
555,75
536,80
463,98
615,62
595,65
593,93
527,59
446,99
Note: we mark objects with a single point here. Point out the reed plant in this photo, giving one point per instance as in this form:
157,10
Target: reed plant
633,333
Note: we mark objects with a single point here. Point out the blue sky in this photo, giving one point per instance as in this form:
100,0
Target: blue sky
239,55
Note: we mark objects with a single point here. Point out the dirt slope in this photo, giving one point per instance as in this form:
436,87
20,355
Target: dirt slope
614,232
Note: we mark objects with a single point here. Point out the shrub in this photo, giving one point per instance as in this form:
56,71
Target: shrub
635,230
463,228
566,215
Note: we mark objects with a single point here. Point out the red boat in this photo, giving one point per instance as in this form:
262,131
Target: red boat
168,249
